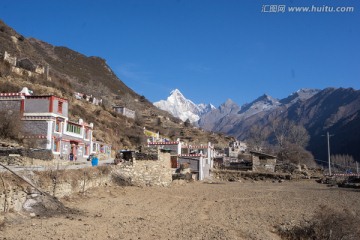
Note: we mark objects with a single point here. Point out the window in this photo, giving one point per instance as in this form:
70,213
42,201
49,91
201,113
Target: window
58,126
73,128
60,107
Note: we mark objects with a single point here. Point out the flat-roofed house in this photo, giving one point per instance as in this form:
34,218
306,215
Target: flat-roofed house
45,118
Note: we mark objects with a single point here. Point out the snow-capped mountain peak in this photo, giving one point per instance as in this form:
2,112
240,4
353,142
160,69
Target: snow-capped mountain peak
176,97
299,95
176,92
179,106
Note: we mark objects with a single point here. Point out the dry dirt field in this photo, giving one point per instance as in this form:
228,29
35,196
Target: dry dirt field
226,210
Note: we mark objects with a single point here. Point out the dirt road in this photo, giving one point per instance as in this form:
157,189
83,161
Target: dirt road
238,210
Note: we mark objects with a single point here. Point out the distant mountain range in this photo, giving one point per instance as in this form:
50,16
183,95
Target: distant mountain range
336,110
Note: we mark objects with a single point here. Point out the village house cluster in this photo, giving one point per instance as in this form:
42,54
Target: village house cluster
199,158
45,119
204,157
89,98
93,100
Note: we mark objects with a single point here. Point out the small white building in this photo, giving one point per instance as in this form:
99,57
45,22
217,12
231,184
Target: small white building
124,111
200,157
235,148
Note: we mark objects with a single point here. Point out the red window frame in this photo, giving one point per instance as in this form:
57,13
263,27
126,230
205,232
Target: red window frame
60,106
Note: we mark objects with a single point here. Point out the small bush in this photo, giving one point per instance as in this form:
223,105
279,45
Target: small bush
326,223
5,69
21,38
8,87
10,125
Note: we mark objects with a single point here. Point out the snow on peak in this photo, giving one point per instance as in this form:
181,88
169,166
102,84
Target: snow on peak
262,103
299,95
179,106
175,92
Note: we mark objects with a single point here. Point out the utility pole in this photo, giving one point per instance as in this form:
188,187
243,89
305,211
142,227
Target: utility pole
328,149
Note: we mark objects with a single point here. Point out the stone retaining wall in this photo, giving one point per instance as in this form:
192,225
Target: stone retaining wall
231,175
43,154
147,172
16,194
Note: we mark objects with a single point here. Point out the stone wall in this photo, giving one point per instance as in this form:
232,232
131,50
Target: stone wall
263,165
13,105
147,172
35,127
232,175
37,105
23,72
42,154
15,194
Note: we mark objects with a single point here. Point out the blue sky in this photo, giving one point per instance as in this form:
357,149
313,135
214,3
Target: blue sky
211,50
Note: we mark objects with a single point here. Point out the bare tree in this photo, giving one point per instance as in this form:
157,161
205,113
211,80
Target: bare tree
296,154
292,140
298,135
286,132
343,162
280,130
257,138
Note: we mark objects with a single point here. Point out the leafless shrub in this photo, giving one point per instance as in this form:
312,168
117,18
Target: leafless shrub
292,153
286,131
21,38
327,223
8,87
10,125
257,138
5,69
139,120
343,162
34,142
104,170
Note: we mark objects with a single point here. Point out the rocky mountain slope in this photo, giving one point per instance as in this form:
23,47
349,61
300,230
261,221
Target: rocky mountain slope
71,72
319,111
336,110
183,108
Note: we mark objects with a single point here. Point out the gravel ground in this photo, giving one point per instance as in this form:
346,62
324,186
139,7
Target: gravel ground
200,210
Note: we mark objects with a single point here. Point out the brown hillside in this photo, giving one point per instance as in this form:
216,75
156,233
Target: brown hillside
74,72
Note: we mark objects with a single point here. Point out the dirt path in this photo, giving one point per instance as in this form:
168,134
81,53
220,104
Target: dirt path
247,210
